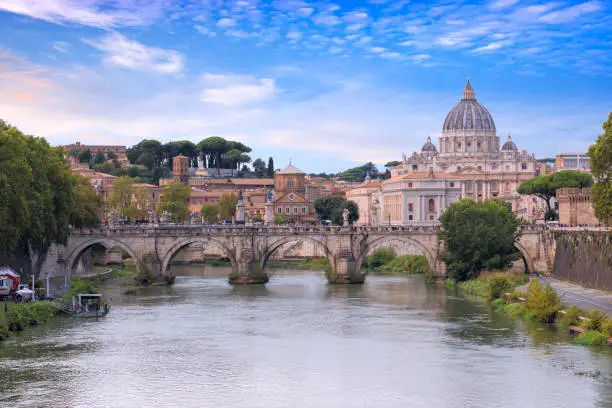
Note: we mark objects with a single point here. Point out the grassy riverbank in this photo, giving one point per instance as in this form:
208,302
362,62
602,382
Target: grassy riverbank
539,304
19,316
384,261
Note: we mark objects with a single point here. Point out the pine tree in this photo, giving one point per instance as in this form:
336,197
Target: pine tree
270,167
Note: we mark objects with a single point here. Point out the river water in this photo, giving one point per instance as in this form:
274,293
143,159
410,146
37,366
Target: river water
298,342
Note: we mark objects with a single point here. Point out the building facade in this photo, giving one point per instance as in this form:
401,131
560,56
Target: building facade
573,161
470,151
290,195
364,196
575,207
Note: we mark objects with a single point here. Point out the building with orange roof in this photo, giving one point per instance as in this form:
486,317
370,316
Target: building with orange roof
363,195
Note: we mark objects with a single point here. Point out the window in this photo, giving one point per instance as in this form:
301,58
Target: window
287,210
431,206
524,166
494,186
409,185
289,183
478,146
279,210
410,217
431,217
452,184
469,147
479,187
410,207
459,145
295,210
479,167
468,187
458,168
303,210
428,157
415,167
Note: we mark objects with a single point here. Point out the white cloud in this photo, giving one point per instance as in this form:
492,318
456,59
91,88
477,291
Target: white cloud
391,55
494,46
61,46
326,19
378,50
571,13
305,11
235,90
502,4
226,22
294,36
126,53
355,17
364,41
94,13
205,31
237,33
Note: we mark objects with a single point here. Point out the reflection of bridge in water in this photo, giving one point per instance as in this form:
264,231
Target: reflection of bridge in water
250,248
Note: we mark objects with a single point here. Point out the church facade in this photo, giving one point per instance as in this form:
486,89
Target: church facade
469,163
469,150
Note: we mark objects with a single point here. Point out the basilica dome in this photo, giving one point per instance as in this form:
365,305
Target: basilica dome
509,145
468,114
429,147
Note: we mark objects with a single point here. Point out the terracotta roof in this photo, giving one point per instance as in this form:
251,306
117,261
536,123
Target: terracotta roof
201,193
422,175
253,182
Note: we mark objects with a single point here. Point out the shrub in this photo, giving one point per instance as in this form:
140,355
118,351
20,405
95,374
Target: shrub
379,257
498,285
591,338
407,264
595,320
430,278
572,316
606,327
80,286
498,303
514,310
475,287
542,302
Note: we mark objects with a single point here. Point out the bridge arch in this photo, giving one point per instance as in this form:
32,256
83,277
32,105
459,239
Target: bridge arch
270,248
108,243
527,260
384,241
174,249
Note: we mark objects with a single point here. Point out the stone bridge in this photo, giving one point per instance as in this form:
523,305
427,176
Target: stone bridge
249,248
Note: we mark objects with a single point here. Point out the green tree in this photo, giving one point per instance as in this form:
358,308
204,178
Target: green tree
121,199
84,156
36,198
545,187
332,207
152,159
210,213
175,200
111,156
87,208
392,163
212,149
601,167
359,173
281,219
259,167
478,236
99,158
227,206
270,167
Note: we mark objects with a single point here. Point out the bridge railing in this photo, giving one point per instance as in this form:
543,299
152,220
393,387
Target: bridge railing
170,230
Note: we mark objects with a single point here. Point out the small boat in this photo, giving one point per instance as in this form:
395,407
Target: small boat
89,305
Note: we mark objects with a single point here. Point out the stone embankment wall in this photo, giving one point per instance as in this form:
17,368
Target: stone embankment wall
584,257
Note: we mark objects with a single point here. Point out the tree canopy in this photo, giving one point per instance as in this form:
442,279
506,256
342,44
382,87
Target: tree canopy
545,187
392,163
359,173
227,206
175,200
601,167
332,207
210,213
478,236
87,208
37,198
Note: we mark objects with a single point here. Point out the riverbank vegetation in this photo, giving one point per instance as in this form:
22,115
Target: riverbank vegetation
22,315
539,304
477,237
386,261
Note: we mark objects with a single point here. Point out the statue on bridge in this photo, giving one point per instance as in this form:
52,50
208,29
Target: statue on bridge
269,196
345,217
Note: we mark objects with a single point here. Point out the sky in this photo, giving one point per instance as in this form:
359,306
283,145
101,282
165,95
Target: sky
327,85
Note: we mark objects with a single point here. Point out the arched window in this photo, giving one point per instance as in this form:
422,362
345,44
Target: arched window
432,205
410,207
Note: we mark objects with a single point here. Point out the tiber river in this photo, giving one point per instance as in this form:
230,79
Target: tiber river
298,342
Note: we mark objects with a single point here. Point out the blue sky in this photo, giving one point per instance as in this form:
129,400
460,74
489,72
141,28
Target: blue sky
327,84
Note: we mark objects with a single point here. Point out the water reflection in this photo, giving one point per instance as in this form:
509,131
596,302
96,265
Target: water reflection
393,342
